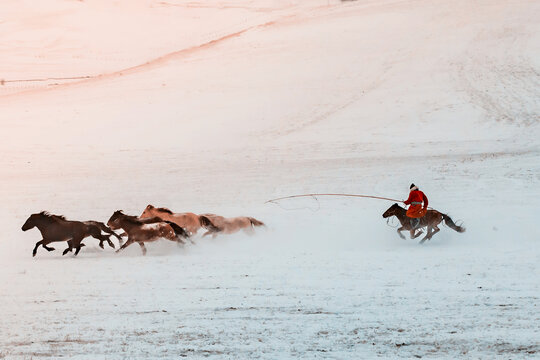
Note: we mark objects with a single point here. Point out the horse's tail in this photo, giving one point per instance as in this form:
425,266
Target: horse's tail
178,230
208,224
255,222
451,224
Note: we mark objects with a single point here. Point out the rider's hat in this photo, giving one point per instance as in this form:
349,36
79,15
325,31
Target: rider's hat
413,187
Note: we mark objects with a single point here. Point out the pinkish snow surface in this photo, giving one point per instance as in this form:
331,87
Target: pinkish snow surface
218,106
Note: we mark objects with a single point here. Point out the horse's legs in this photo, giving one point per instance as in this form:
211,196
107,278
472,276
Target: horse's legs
34,252
79,248
108,237
436,230
77,244
47,247
110,242
399,232
126,244
103,238
143,248
110,232
208,233
177,239
428,235
69,248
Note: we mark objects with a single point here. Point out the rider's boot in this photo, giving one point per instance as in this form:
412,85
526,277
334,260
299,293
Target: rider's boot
415,222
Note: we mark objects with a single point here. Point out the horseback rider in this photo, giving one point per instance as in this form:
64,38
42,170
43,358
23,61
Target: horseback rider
416,209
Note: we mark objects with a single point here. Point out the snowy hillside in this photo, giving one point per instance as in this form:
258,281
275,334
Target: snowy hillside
218,106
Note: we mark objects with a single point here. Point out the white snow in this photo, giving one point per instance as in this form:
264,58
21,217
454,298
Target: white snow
218,106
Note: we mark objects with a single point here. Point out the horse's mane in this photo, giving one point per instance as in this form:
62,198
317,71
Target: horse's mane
165,210
52,216
132,220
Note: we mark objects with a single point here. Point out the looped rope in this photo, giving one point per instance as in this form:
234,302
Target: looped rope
391,225
298,208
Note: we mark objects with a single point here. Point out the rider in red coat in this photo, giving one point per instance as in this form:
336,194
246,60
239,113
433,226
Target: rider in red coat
418,202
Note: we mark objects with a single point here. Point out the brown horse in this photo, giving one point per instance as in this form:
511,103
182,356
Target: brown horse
431,220
150,220
218,224
141,232
55,228
102,227
189,221
96,229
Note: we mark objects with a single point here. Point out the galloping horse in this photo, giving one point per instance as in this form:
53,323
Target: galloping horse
141,232
431,220
219,224
55,228
189,221
106,230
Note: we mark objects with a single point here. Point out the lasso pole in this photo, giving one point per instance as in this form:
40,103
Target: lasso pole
344,195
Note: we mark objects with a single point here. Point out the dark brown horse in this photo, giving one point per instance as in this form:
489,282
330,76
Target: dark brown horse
430,220
102,227
141,232
215,224
55,228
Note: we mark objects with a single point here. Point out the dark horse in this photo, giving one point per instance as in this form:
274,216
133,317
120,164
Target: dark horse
106,230
55,228
141,232
431,220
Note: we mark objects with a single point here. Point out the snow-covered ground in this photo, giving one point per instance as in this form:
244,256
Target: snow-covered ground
218,106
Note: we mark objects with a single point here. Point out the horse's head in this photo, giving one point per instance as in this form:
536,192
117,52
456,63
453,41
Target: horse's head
30,222
148,212
391,211
113,222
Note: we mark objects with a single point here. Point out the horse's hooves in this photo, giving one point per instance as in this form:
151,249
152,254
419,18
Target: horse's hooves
33,254
50,249
101,246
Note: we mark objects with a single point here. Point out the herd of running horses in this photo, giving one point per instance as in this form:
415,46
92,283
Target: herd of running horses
156,223
153,224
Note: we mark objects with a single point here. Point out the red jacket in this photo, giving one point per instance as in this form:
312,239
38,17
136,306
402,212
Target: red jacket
417,196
